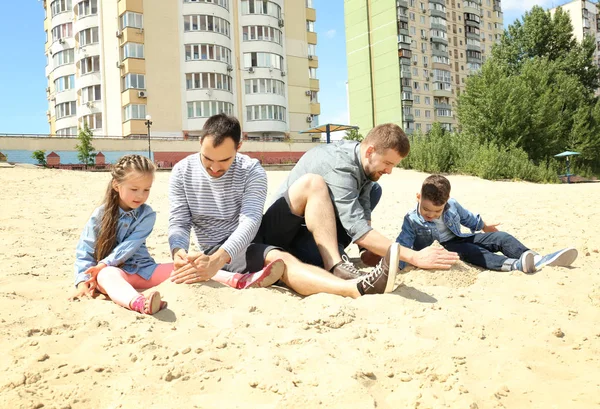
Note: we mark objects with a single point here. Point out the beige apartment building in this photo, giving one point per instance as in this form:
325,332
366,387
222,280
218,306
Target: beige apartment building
408,59
112,63
585,20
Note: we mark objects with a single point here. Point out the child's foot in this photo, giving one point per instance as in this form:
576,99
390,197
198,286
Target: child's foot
263,278
148,305
525,263
560,258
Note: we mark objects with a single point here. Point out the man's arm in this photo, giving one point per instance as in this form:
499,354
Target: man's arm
180,216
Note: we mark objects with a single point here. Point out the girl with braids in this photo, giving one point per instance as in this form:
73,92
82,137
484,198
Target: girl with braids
112,257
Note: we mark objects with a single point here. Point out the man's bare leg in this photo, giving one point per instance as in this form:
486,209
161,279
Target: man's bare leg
309,197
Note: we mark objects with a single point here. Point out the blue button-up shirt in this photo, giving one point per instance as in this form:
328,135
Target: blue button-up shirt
130,253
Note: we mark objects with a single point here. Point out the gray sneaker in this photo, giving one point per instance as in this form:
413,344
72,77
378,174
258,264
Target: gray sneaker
561,258
525,263
383,277
346,270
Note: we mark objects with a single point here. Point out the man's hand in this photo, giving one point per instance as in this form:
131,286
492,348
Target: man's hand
490,227
193,268
434,258
83,290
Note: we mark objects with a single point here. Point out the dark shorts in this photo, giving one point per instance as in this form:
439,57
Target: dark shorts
256,254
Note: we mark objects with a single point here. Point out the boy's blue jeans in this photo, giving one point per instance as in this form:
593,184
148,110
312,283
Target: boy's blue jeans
480,249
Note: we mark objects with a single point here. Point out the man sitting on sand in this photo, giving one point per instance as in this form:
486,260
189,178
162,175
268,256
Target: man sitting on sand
220,193
326,203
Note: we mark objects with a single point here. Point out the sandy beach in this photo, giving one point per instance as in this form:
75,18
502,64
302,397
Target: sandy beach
464,338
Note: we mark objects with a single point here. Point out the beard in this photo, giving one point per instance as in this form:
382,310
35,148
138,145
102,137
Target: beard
373,176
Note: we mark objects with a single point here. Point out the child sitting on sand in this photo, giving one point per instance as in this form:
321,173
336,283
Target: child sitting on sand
112,257
439,217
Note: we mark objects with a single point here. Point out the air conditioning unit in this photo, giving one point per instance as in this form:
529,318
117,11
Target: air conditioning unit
89,104
414,63
61,40
48,113
142,94
281,22
119,64
50,52
251,69
427,79
119,34
48,89
425,65
309,119
308,93
431,75
52,98
229,67
310,57
283,73
423,37
483,39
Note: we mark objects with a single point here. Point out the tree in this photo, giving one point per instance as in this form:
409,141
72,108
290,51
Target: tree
84,147
353,135
40,156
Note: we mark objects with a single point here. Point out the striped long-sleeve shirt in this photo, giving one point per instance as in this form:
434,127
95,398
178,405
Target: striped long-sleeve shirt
224,210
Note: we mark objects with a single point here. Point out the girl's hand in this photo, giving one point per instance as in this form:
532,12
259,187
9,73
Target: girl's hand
93,272
83,290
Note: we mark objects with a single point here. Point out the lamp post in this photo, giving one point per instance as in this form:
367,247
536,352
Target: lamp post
148,124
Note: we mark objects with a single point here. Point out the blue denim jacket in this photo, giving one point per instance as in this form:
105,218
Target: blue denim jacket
417,233
130,253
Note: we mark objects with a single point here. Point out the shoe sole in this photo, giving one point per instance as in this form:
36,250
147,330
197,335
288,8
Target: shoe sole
529,264
564,259
155,303
393,268
274,274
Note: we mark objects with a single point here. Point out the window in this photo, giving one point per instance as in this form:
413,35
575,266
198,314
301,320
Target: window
265,113
426,86
135,111
63,57
265,86
132,50
89,64
417,99
427,113
309,4
87,8
310,26
417,112
88,36
261,33
205,109
60,6
206,23
93,121
413,30
222,3
90,94
65,109
416,86
415,72
72,131
427,101
131,19
134,81
194,52
314,97
441,60
261,7
312,73
312,49
443,112
62,31
64,83
209,80
268,60
412,16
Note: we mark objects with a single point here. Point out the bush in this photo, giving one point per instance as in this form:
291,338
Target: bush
40,156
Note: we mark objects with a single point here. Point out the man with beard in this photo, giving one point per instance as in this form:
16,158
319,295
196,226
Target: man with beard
337,181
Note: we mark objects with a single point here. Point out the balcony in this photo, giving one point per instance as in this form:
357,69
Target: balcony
473,35
437,13
313,84
315,108
439,40
441,27
408,117
442,105
442,2
405,74
402,53
402,3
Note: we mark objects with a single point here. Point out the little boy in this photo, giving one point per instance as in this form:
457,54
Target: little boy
438,217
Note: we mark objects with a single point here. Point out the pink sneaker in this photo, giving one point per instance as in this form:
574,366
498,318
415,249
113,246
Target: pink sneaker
150,305
263,278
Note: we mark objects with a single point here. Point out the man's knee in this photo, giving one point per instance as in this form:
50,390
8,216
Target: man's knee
310,183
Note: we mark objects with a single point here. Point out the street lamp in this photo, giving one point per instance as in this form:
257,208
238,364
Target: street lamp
148,124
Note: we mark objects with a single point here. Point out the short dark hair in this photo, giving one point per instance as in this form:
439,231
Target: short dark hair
389,136
221,127
436,188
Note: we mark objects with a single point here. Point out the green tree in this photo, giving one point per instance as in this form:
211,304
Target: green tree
353,135
40,156
85,150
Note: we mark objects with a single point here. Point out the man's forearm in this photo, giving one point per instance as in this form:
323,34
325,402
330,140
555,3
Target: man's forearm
374,242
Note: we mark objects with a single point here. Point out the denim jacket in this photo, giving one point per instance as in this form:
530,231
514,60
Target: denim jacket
130,252
417,233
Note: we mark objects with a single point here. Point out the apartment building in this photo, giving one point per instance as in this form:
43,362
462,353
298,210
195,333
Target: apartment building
112,63
585,21
408,60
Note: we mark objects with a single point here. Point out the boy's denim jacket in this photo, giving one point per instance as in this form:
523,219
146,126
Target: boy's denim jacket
417,233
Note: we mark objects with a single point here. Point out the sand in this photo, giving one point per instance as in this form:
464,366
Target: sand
457,339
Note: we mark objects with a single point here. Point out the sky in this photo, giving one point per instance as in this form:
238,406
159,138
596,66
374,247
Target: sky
23,102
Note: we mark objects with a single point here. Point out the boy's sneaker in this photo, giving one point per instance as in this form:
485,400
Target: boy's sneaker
525,263
383,277
369,258
346,270
560,258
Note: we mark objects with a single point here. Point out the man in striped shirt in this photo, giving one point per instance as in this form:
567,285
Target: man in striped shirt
221,194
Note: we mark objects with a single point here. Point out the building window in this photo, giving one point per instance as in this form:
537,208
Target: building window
417,99
60,6
268,60
91,94
135,111
134,81
265,113
63,57
427,101
261,7
265,86
441,60
93,121
261,33
205,109
131,19
132,50
194,52
312,49
87,8
206,23
209,80
64,83
312,73
309,4
72,131
427,113
62,31
88,36
89,64
66,109
310,26
222,3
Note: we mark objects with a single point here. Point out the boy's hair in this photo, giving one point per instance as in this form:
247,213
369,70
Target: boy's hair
106,230
388,136
436,189
221,127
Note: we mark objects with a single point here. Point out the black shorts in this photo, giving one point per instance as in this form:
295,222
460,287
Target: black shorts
256,254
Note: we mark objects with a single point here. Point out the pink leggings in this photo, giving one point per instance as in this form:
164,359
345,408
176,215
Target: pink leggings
121,287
